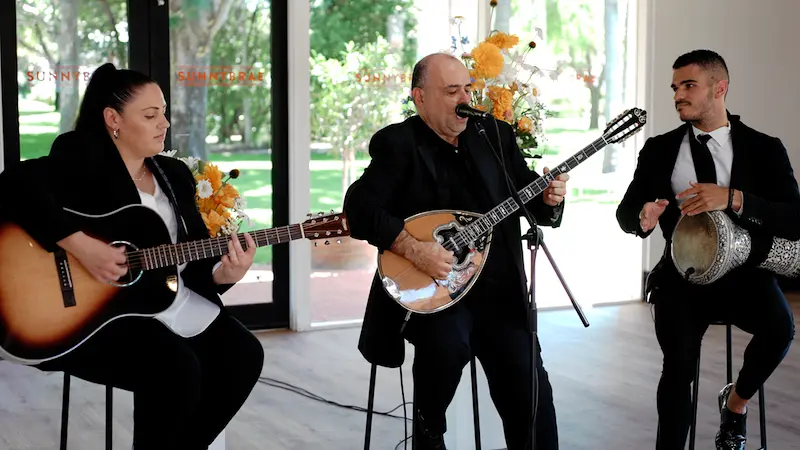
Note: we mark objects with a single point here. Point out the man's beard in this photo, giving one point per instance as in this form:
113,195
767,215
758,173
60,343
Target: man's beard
703,109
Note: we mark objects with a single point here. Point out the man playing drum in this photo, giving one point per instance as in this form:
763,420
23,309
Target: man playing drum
713,162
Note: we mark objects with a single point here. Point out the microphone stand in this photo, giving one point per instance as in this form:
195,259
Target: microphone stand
534,239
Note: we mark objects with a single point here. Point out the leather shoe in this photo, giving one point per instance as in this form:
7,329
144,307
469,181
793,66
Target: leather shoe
732,434
427,439
426,442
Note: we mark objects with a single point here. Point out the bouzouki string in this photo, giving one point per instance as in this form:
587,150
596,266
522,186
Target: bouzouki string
478,228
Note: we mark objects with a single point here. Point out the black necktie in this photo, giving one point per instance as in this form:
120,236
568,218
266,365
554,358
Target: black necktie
703,162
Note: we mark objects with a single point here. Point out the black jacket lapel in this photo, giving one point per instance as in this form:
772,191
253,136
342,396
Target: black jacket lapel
739,142
493,179
486,163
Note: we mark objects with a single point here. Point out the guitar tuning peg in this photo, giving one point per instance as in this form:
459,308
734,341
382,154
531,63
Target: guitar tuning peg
331,211
316,244
309,215
320,213
327,242
338,241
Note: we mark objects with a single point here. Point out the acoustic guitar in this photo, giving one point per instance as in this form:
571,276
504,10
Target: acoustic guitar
468,234
50,304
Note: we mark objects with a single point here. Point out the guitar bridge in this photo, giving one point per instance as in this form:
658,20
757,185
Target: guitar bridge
65,278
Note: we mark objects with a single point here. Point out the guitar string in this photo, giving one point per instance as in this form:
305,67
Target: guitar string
463,238
172,254
215,243
166,254
211,244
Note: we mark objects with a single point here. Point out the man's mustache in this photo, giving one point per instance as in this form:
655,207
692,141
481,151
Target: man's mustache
681,103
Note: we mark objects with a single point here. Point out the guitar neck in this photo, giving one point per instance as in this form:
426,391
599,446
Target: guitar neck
176,254
531,191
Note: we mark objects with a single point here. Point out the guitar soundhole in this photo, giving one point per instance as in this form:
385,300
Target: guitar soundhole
134,265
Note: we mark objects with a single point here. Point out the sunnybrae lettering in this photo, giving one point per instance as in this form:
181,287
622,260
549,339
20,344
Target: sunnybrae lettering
367,77
219,76
58,75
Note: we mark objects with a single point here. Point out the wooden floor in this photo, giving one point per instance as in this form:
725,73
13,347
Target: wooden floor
604,379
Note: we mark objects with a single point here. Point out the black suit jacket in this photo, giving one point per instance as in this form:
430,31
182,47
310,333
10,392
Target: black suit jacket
87,174
400,182
761,171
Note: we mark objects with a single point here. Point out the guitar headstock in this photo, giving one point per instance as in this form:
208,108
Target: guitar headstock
625,125
326,226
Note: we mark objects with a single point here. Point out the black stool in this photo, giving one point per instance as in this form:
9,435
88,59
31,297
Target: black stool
761,407
65,413
475,417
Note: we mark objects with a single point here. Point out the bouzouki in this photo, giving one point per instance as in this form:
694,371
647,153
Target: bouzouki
50,304
468,235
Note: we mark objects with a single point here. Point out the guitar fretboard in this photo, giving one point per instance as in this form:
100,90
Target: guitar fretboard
176,254
486,223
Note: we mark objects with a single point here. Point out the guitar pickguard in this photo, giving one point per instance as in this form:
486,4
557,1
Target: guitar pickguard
464,267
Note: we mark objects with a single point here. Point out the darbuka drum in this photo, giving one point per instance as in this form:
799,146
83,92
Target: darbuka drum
707,246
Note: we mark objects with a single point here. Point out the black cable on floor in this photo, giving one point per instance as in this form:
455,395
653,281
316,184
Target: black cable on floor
305,393
298,390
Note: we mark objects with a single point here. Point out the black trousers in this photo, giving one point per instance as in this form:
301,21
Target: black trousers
489,321
185,391
750,300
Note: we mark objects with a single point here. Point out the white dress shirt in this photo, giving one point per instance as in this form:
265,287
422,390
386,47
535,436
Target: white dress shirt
721,148
190,313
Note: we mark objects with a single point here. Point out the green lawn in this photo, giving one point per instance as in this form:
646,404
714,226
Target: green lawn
39,127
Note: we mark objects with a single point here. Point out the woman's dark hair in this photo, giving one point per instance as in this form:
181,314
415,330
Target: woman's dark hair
107,87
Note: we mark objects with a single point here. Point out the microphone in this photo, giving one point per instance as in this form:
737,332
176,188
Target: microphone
464,110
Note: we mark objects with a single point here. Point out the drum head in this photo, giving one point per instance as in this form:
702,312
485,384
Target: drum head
695,243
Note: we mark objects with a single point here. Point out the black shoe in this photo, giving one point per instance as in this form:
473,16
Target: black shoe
732,434
426,442
427,439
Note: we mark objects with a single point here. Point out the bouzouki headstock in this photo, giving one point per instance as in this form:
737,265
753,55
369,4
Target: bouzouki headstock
625,125
326,226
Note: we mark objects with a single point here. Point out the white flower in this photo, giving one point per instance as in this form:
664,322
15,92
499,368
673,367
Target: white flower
242,216
192,162
204,189
519,141
531,100
240,204
230,228
508,76
169,153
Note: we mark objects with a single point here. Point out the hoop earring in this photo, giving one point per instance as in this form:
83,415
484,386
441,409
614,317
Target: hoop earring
116,134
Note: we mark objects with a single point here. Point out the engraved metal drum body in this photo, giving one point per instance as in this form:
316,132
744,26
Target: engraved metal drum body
707,246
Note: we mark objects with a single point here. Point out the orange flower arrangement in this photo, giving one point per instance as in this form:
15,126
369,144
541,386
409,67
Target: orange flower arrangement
502,83
219,203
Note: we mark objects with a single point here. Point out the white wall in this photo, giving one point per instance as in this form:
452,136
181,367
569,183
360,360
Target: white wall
758,40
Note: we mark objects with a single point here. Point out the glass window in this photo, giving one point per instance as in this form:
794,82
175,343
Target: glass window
59,45
586,51
220,110
362,56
